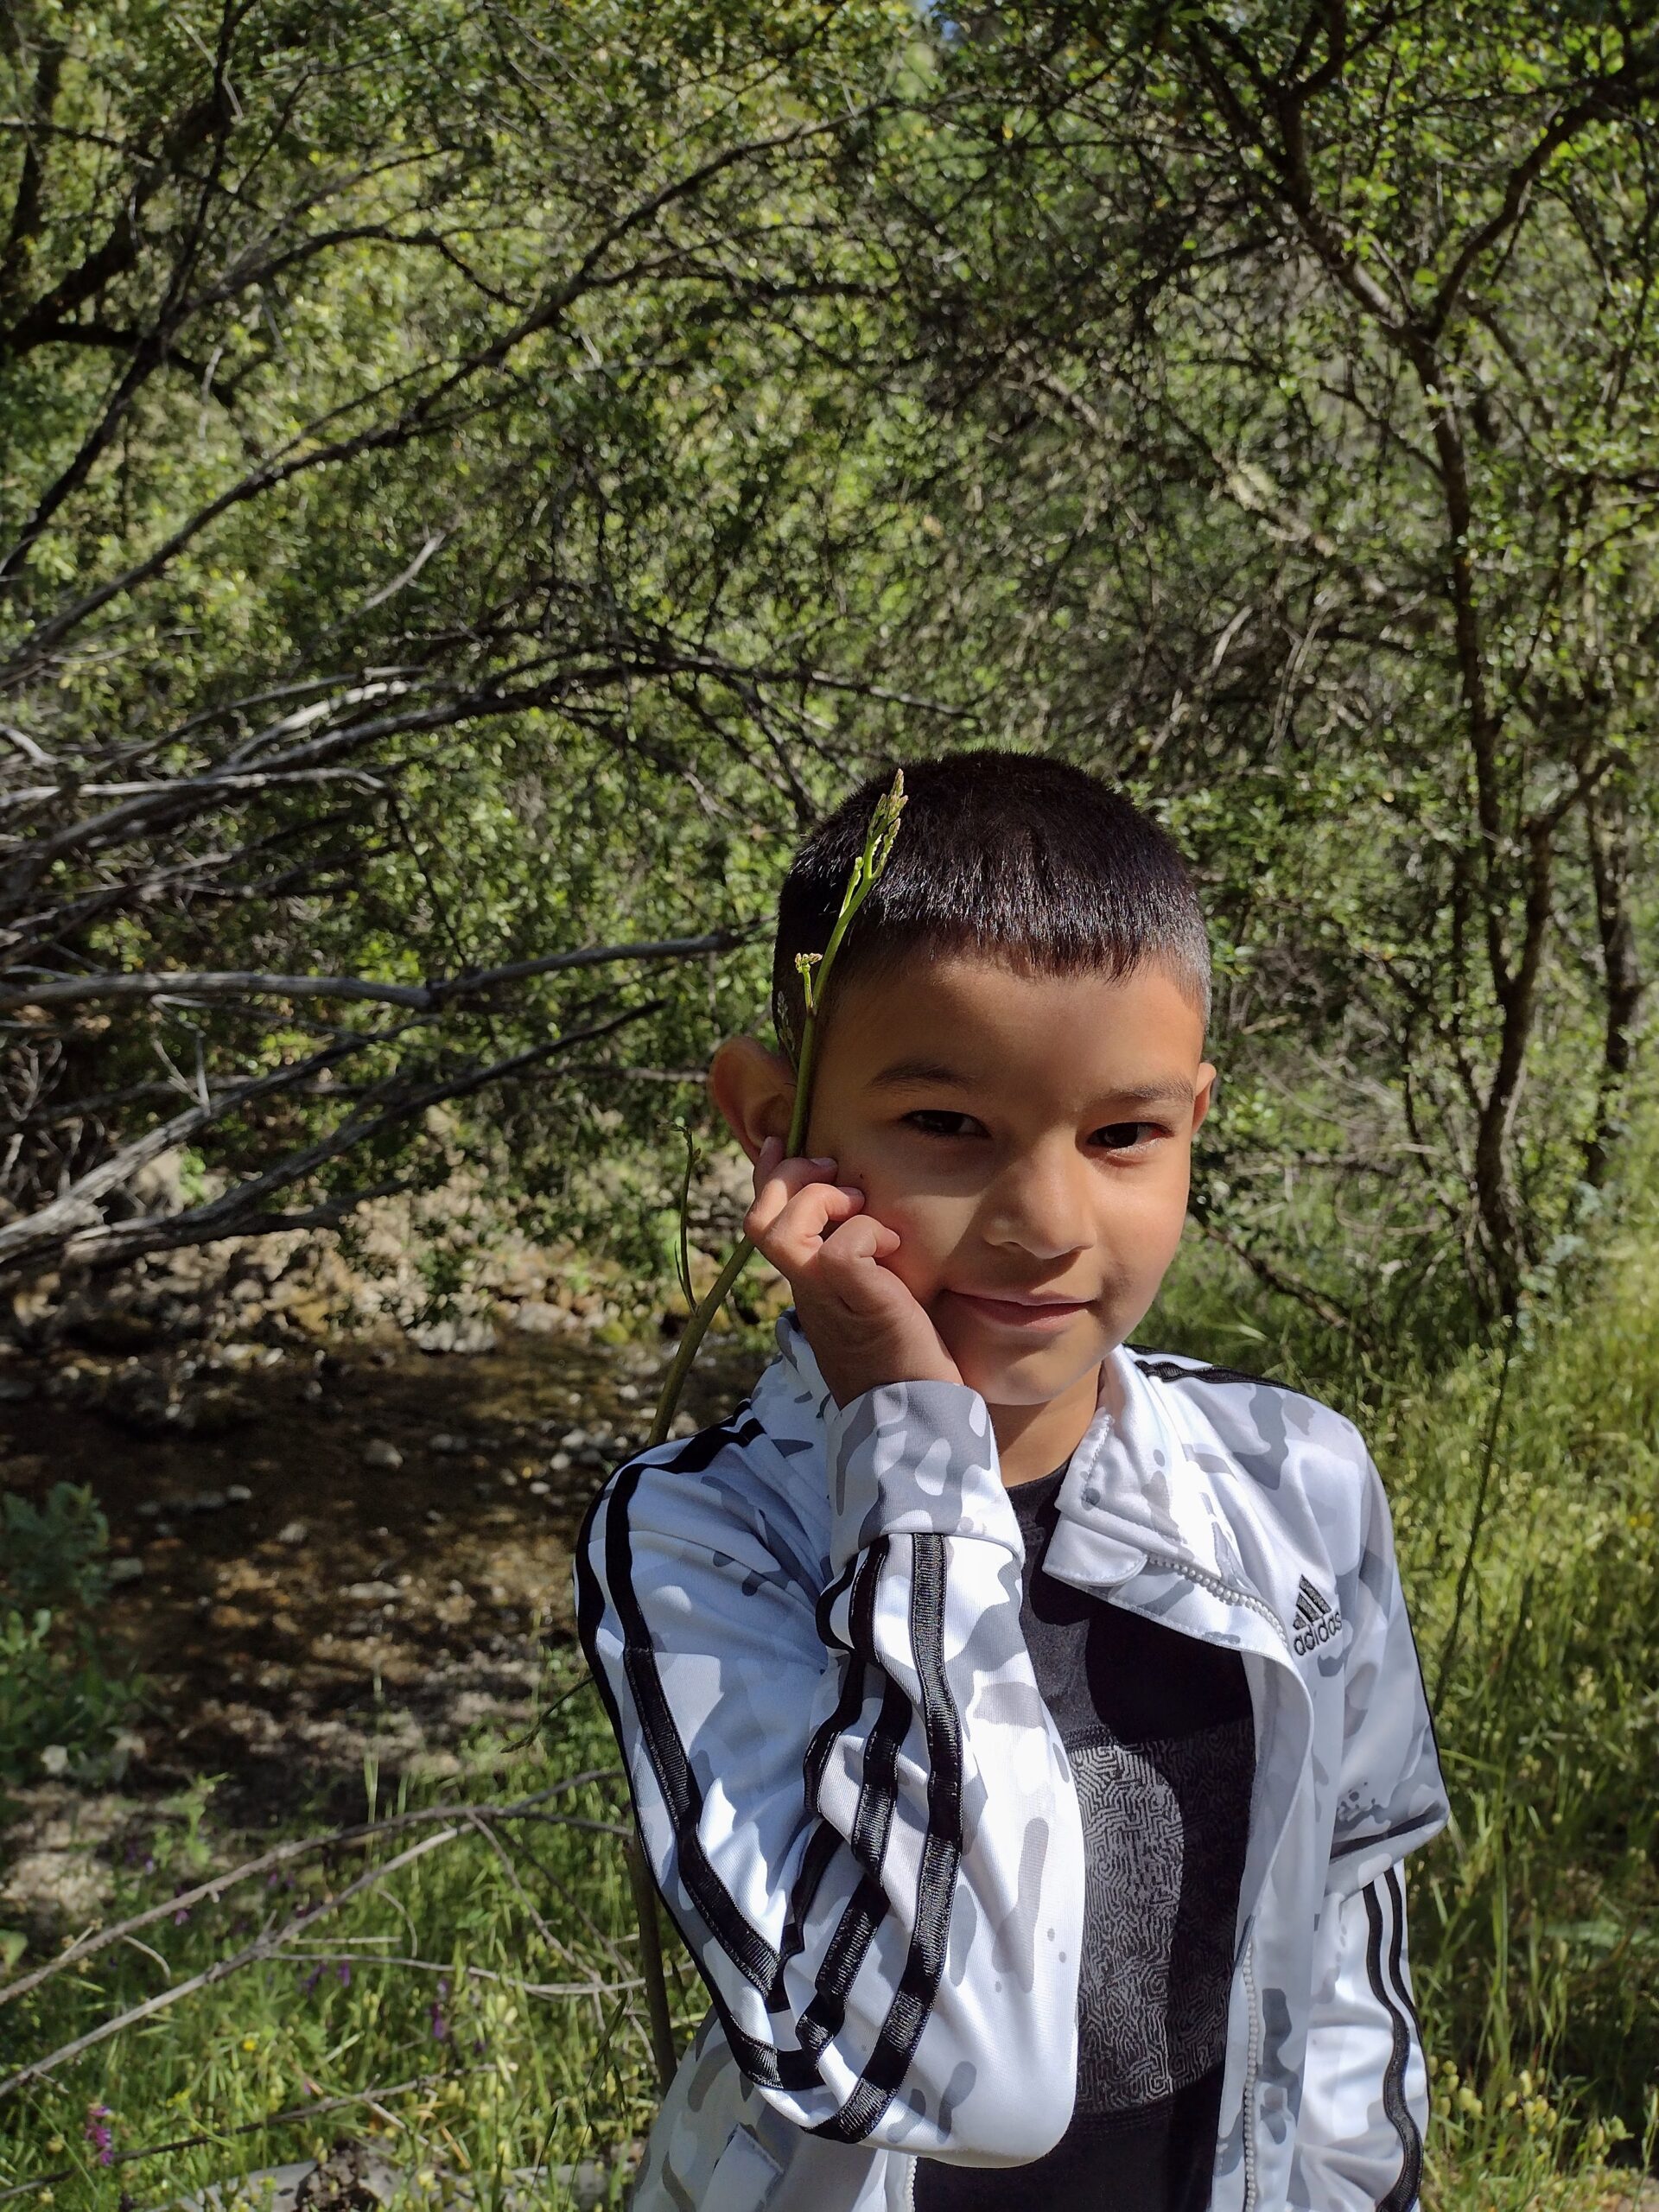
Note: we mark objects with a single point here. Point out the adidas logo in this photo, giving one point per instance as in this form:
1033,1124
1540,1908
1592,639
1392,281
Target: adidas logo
1316,1621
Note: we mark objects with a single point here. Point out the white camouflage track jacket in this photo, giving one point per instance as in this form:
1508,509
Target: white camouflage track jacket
804,1621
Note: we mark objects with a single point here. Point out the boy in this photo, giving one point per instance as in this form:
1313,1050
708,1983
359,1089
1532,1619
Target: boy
1025,1729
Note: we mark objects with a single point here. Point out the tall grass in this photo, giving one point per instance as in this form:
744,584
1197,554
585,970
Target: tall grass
472,2000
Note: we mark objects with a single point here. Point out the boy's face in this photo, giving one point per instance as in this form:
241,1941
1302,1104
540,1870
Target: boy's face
1028,1136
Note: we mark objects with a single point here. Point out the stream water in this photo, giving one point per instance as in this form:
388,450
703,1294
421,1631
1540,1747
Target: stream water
323,1552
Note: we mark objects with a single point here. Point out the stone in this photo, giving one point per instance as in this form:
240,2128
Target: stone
292,1532
467,1336
535,1318
355,2176
207,1501
124,1570
448,1444
238,1493
378,1453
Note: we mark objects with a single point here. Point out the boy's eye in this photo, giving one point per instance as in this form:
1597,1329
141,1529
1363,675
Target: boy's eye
936,1114
1125,1135
1121,1136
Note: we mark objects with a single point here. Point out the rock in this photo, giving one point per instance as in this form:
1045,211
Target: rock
55,1759
356,2176
573,1440
124,1570
370,1594
207,1501
150,1509
292,1532
238,1493
540,1490
469,1335
559,1462
378,1453
535,1318
449,1445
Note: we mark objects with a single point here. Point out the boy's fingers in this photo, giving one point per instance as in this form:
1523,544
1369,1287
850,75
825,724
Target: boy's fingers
791,1238
849,1252
775,1186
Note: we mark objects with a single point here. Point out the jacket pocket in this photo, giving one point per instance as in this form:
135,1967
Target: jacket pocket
745,2177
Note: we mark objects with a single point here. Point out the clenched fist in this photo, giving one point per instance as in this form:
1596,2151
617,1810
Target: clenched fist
864,1325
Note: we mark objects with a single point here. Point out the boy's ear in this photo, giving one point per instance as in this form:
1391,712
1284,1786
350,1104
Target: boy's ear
755,1088
1204,1096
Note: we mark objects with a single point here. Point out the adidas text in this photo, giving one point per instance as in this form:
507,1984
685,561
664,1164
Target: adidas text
1317,1620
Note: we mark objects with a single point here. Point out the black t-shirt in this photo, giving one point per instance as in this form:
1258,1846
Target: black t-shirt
1157,1726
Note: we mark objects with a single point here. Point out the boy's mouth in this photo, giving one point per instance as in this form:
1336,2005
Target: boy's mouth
1032,1316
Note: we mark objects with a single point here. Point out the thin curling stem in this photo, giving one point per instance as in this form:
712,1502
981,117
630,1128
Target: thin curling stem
814,975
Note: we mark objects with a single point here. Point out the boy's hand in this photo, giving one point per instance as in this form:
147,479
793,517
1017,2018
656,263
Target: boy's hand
864,1325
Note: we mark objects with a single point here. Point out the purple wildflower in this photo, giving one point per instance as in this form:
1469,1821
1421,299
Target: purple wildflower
343,1970
100,2134
311,1979
439,2025
183,1913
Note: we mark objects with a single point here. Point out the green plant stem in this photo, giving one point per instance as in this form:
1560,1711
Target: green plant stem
686,1350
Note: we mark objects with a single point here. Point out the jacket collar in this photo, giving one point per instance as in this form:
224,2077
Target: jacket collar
1132,1484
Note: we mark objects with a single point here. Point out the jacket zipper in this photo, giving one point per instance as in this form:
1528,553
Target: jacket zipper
1231,1594
1252,2055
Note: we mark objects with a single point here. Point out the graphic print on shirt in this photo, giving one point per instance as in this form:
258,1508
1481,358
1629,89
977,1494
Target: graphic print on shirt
1158,1886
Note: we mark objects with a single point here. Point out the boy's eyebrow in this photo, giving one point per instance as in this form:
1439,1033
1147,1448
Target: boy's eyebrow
898,1073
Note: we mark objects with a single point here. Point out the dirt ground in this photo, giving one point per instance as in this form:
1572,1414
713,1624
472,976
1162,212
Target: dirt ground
325,1553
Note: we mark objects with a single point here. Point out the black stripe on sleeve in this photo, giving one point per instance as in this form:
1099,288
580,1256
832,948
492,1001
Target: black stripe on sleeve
941,1856
742,1943
1354,1843
1403,2195
745,1946
825,1839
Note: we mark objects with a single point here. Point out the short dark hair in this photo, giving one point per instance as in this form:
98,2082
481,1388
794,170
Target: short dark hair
999,853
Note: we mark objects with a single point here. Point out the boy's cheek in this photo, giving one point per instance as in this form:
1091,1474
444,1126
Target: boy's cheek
924,1242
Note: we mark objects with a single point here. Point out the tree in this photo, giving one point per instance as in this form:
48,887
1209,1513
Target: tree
404,597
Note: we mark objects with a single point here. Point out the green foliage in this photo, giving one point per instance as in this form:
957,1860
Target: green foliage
62,1709
583,447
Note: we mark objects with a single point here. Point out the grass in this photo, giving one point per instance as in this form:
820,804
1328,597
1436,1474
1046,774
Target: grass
466,1983
1526,1518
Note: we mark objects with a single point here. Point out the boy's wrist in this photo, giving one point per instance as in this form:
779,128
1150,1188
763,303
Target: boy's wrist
912,1457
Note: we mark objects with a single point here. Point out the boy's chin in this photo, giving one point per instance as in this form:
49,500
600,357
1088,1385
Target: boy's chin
1018,1375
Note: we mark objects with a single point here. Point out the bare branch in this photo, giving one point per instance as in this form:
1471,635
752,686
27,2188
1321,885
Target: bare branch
73,990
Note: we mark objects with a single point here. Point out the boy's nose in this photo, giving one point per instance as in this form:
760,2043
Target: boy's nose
1040,1202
